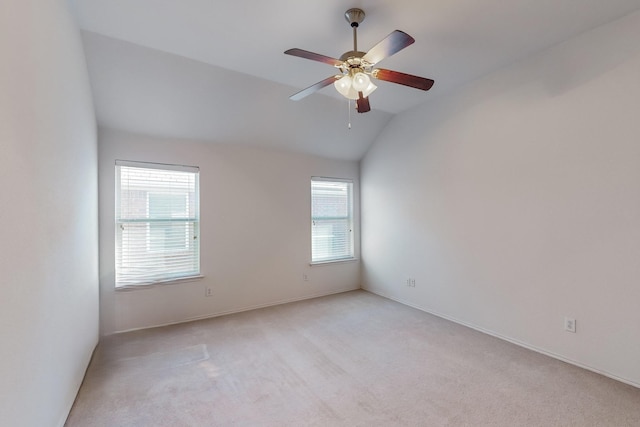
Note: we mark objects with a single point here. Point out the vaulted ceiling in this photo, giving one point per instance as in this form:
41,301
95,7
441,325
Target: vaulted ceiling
215,70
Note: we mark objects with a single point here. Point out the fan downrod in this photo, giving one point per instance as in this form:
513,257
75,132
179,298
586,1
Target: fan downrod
354,17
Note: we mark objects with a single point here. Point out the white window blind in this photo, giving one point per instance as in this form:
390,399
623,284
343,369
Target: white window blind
157,223
331,220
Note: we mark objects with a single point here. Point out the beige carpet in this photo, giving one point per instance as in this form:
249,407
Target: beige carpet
353,359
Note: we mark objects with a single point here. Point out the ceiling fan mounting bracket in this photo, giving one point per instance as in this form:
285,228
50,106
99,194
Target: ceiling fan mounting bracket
354,16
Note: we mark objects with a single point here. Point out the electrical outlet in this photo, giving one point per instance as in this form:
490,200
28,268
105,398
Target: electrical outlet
410,282
305,277
570,324
413,283
208,291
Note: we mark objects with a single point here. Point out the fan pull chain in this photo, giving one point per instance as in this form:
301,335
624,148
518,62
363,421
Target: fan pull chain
349,108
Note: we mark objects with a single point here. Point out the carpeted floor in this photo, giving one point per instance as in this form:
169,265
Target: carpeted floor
353,359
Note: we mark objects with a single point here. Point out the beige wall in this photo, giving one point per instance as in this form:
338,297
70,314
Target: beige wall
48,231
516,202
255,231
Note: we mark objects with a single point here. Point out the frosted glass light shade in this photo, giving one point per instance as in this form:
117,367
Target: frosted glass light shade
345,88
360,82
343,85
369,89
353,94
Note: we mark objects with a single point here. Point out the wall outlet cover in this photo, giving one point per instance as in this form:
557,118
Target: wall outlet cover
570,324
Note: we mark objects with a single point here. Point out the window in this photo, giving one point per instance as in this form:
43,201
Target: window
157,223
331,220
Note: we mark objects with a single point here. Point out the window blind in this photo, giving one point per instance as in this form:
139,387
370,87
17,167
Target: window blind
331,220
157,223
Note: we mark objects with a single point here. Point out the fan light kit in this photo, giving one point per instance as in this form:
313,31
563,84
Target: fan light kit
357,68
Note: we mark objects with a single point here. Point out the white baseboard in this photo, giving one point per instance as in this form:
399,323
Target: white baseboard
239,310
511,340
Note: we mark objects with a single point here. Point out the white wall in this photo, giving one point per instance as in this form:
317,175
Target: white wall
255,231
516,202
49,229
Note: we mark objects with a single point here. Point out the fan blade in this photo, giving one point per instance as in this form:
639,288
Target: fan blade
313,56
362,103
391,44
402,78
316,87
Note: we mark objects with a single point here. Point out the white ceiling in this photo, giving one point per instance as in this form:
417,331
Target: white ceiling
456,42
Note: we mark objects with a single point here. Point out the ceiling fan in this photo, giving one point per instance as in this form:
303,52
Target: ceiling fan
356,68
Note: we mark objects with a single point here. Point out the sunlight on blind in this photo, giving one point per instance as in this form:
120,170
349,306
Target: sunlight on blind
331,220
157,223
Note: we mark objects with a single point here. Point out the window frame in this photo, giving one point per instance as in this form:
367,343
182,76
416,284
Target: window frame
349,217
190,221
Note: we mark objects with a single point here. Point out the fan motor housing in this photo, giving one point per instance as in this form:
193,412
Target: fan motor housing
352,54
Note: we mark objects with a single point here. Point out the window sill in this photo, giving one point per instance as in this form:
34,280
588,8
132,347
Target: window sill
128,288
333,261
